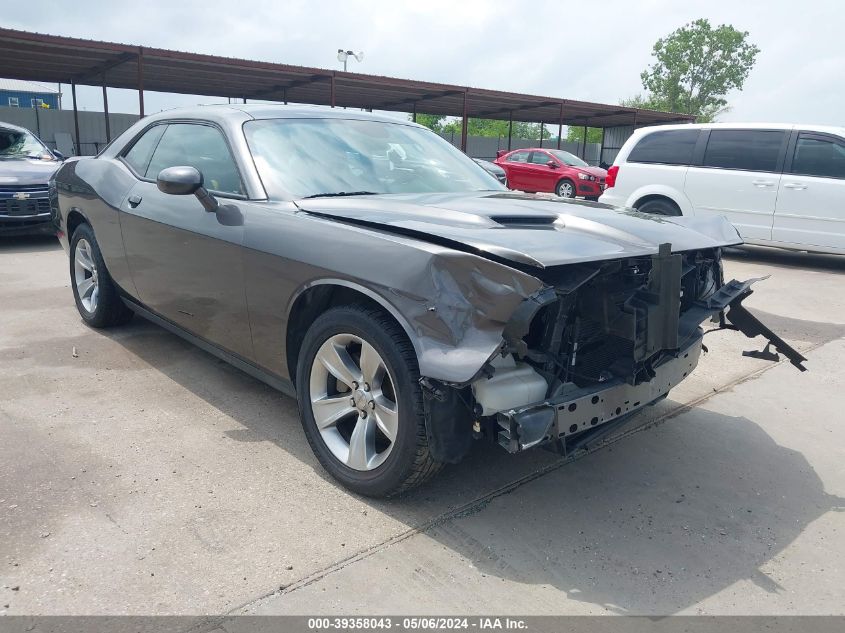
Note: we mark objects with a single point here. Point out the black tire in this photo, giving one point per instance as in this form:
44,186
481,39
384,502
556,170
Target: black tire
560,189
660,206
110,309
409,462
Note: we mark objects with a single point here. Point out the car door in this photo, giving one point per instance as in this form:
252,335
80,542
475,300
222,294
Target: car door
186,262
516,166
811,200
737,176
541,177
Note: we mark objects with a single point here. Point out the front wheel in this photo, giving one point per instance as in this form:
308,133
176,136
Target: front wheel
361,404
565,189
96,295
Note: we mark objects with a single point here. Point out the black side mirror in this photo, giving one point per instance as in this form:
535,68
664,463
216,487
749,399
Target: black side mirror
552,164
58,154
184,180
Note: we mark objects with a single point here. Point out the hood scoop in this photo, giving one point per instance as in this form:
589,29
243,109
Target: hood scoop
525,221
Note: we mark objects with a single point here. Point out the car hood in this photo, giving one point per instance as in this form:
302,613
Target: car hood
525,229
26,171
598,172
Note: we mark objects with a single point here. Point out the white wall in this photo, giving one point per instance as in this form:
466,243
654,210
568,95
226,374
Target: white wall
92,126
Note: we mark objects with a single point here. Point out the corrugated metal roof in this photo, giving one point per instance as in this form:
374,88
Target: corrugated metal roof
44,57
19,85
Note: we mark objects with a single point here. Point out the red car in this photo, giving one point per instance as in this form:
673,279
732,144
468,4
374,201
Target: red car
552,170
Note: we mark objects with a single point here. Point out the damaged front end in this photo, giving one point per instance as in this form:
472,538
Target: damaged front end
602,340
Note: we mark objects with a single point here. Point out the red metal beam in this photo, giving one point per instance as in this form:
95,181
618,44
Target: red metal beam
464,124
106,110
141,81
560,125
75,119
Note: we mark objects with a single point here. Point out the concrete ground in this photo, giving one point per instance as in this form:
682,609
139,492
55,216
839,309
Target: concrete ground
140,475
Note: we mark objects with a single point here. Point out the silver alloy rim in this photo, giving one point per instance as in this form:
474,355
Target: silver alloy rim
565,190
85,276
354,401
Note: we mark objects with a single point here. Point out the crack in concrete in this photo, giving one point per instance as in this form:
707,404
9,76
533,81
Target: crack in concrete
478,504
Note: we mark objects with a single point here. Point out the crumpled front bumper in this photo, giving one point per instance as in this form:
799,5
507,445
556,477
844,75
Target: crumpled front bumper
577,412
587,408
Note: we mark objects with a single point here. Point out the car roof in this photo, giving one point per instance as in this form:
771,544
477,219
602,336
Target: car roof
537,149
243,112
810,127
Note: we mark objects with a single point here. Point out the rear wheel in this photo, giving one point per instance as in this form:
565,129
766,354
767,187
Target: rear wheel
96,296
361,403
659,206
565,188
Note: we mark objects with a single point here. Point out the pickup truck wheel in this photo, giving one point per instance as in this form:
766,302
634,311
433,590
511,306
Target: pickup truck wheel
565,188
361,403
96,296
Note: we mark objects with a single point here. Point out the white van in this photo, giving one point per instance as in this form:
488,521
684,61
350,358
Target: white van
780,185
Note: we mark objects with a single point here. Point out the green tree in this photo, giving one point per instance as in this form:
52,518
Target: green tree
576,134
695,67
644,102
480,127
431,121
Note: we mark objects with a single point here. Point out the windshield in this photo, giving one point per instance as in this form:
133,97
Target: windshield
568,159
298,158
19,144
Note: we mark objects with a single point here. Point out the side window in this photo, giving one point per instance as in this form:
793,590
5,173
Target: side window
752,150
138,156
540,158
816,156
670,147
518,157
200,146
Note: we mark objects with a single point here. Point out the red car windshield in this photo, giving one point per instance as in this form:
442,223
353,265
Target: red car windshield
568,159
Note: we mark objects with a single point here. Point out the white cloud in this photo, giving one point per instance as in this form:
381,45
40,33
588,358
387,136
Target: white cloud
553,48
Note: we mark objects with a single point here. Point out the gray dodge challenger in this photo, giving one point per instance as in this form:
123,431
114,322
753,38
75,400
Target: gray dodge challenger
407,300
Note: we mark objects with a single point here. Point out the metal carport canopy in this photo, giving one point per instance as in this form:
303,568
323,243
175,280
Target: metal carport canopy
51,58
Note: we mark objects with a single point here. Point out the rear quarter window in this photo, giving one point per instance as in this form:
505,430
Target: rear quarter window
669,147
819,156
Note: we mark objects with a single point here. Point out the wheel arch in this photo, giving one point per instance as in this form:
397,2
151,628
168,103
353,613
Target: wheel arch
645,194
74,218
318,296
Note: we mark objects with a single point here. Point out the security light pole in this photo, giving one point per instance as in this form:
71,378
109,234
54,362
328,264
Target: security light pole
343,56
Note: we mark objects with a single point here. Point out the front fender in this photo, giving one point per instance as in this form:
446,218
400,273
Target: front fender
459,321
453,309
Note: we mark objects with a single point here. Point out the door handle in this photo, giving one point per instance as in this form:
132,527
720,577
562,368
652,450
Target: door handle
762,183
794,185
134,201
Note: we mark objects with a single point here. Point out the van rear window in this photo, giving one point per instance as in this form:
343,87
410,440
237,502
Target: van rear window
669,147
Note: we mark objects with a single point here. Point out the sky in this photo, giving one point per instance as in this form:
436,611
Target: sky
558,48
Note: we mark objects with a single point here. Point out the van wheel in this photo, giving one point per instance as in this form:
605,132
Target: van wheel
660,206
96,295
361,404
